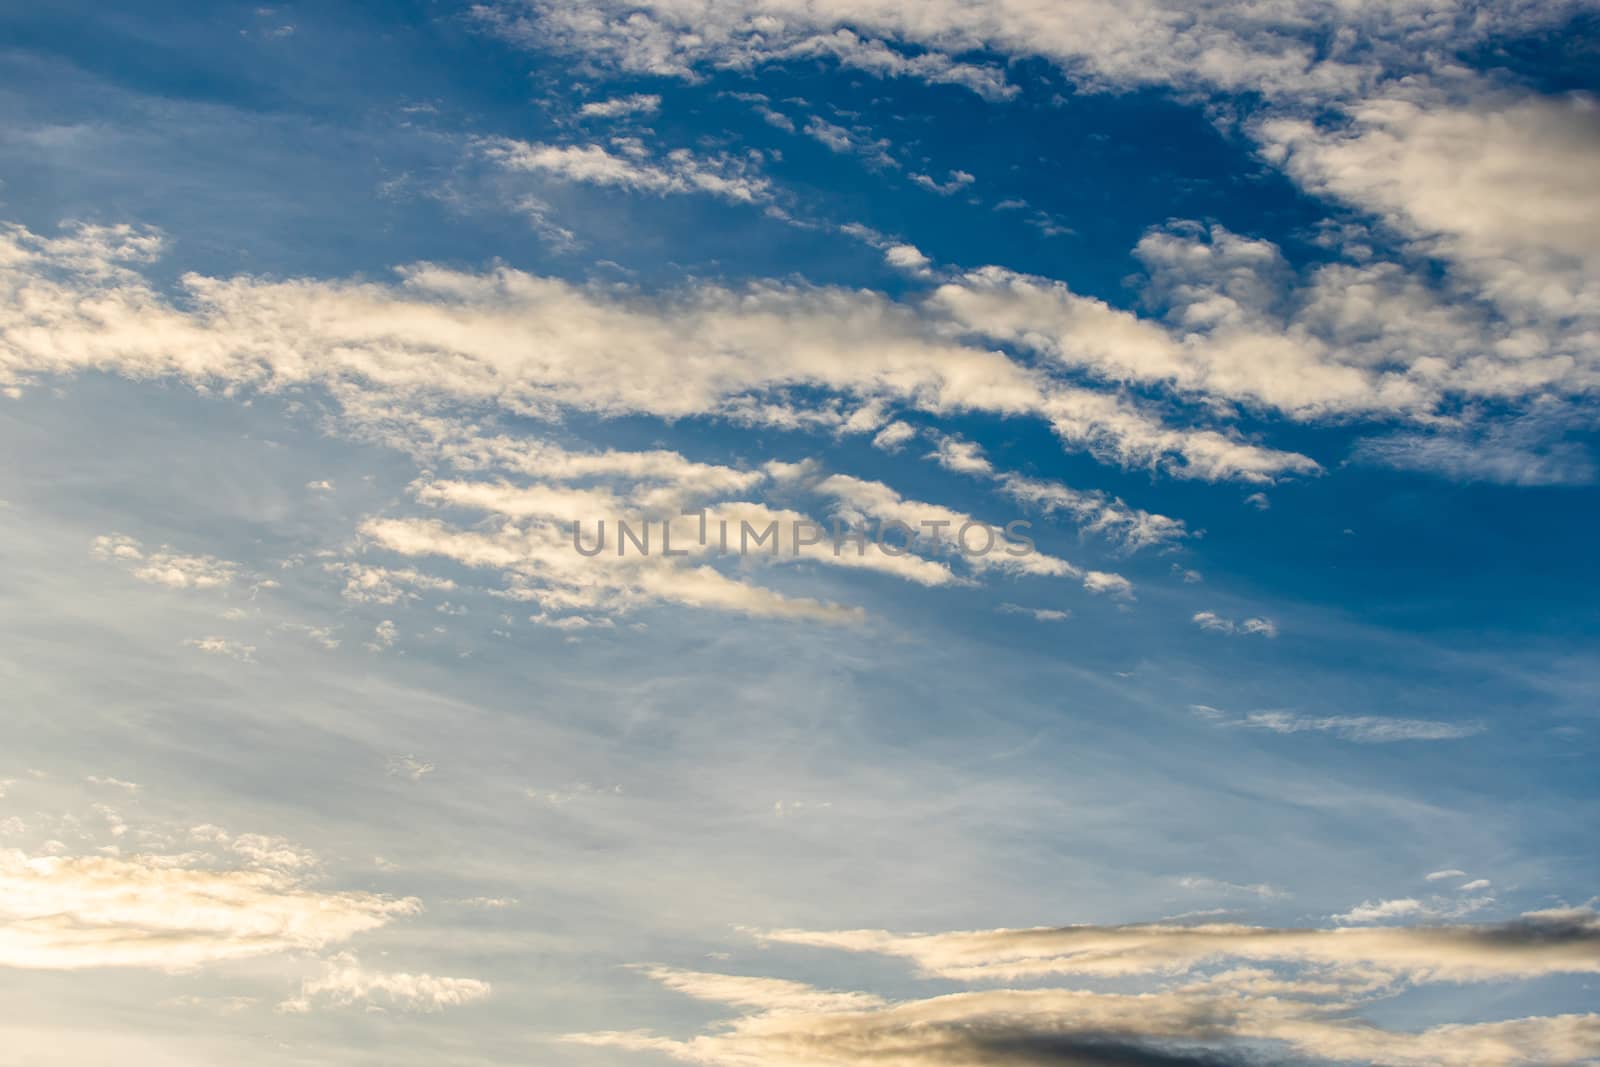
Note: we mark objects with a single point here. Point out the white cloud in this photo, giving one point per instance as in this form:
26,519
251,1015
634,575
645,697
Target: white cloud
115,783
163,566
383,636
1038,614
1367,729
958,180
222,646
634,167
548,571
860,142
644,41
622,106
1491,454
1363,729
1099,43
893,436
1433,910
173,912
963,457
1494,183
908,258
1095,512
530,345
1373,338
1377,911
367,584
346,982
859,501
1210,620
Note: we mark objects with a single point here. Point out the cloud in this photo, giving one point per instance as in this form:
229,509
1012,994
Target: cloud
1363,729
1293,999
115,783
633,167
546,570
1378,911
322,635
163,566
383,636
908,258
1236,323
534,549
539,345
366,584
1100,45
408,767
544,553
645,42
958,180
859,142
346,983
1560,941
1439,876
1491,181
1211,621
760,104
893,436
174,911
622,106
1037,614
1224,334
222,646
1095,512
1201,884
1366,729
858,500
1489,455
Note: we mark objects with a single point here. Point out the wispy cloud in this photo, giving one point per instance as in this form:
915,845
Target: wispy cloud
1364,729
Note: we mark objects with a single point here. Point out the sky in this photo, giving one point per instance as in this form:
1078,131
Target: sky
1270,331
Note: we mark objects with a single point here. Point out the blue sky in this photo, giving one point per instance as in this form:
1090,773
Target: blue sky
323,324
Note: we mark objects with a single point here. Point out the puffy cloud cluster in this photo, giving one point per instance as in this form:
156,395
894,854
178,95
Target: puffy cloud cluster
1494,182
163,566
1360,105
1288,49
